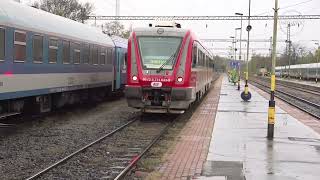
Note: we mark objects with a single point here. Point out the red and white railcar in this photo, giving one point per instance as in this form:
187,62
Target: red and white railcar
168,69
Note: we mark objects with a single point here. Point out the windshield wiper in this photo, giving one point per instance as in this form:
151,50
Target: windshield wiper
167,61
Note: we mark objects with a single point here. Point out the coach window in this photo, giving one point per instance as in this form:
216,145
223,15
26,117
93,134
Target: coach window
94,54
109,56
91,54
37,48
20,53
76,53
103,56
66,52
86,53
53,50
2,44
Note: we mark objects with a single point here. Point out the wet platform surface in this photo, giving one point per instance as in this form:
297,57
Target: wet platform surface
239,149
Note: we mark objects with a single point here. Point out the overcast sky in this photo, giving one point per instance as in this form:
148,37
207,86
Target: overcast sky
221,29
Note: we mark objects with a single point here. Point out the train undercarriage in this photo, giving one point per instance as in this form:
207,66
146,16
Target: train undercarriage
46,103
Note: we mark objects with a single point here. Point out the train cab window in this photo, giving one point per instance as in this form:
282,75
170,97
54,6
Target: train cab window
53,50
103,56
94,54
66,52
86,53
76,53
37,48
109,56
2,44
20,52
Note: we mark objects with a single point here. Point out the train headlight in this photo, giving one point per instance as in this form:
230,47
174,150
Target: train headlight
134,78
180,79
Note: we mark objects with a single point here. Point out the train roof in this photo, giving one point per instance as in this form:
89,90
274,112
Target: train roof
120,42
24,17
167,31
300,66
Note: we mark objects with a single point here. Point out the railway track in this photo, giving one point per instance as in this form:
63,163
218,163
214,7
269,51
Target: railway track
300,87
114,154
117,152
300,98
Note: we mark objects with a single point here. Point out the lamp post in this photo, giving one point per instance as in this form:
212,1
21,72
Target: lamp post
301,54
240,54
246,95
235,56
239,73
317,54
272,103
233,47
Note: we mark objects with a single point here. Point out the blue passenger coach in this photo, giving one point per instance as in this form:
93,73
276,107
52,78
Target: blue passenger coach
48,61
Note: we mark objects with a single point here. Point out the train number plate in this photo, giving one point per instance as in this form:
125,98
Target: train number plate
156,84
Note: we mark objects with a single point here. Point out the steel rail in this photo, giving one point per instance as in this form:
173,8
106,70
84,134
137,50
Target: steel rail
2,125
124,172
80,150
192,18
281,83
289,102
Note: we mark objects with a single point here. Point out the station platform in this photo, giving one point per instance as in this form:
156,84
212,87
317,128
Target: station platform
239,149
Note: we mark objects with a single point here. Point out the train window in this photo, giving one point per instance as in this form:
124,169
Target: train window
194,55
109,56
66,52
76,53
200,60
53,50
206,61
2,44
94,54
20,52
203,59
90,53
103,56
37,48
86,53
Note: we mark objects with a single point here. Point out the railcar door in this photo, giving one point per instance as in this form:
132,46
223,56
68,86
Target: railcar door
121,68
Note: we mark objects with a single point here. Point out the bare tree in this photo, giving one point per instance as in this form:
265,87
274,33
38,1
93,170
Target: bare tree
116,28
71,9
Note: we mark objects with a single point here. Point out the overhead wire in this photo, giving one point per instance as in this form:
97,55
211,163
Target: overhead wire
285,7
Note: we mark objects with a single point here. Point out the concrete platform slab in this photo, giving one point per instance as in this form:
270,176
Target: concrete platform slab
240,150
